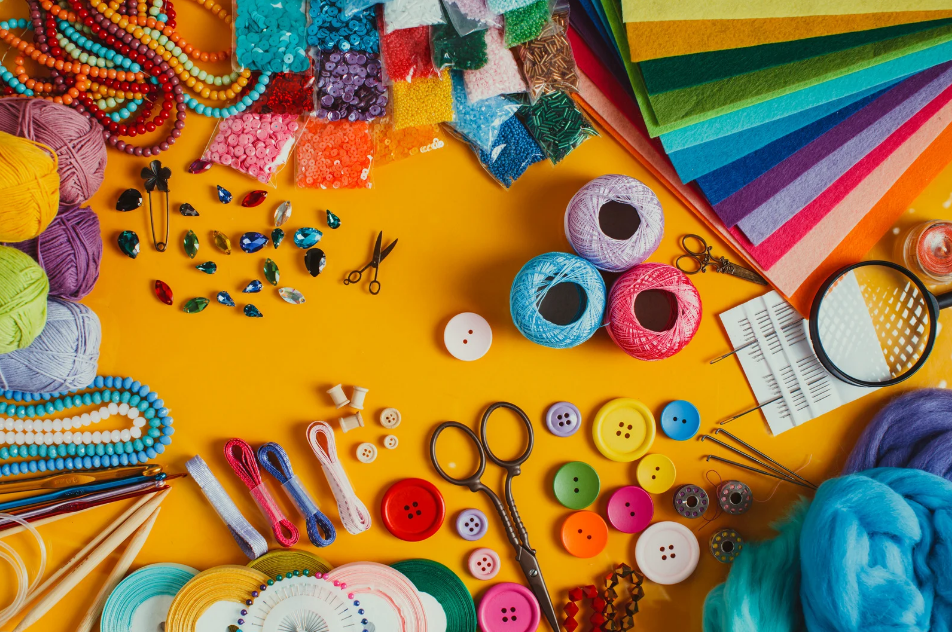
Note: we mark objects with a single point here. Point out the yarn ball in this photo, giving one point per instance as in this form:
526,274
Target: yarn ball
23,293
77,140
631,335
590,212
70,250
29,184
62,358
912,430
537,279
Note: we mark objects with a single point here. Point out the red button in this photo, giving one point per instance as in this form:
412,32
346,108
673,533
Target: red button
413,509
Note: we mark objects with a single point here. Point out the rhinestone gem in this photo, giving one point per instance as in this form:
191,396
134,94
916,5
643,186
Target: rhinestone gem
271,272
188,210
208,267
195,305
306,237
277,236
224,195
225,299
252,312
199,166
191,244
332,220
222,242
129,200
314,261
282,214
163,291
251,288
252,242
129,243
291,295
254,198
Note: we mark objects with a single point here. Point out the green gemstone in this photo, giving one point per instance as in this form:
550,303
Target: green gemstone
129,243
208,267
191,244
195,305
271,272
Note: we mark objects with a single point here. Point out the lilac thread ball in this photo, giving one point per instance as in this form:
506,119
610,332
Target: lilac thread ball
70,250
77,140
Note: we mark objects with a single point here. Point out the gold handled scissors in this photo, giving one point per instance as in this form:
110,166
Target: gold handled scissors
702,259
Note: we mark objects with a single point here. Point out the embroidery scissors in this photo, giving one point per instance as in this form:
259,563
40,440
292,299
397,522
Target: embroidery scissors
702,258
515,530
354,276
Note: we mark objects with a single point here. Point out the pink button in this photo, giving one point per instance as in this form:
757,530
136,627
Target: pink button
508,607
630,509
483,564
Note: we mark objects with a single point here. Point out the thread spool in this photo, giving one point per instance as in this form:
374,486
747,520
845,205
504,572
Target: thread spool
734,497
928,250
350,422
69,250
77,141
141,601
391,600
357,397
213,599
557,300
691,501
726,545
282,561
30,185
440,588
23,293
653,311
337,395
615,222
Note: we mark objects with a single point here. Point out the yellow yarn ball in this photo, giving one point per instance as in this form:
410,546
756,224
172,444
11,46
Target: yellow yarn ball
23,293
29,187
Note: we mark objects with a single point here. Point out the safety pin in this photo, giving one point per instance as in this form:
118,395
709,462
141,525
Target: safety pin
752,342
156,176
751,458
754,469
761,454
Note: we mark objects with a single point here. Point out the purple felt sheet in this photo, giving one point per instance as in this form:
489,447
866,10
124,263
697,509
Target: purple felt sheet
761,207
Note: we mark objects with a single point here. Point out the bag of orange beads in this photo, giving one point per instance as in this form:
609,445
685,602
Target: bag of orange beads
334,155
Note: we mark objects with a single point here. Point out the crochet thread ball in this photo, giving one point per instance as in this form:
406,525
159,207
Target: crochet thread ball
70,251
667,284
29,186
62,358
23,293
77,140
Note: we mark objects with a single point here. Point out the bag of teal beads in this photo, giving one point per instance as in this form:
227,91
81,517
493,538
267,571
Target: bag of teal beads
479,122
257,145
270,37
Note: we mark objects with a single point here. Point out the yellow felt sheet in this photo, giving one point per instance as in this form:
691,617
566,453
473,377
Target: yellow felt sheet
664,10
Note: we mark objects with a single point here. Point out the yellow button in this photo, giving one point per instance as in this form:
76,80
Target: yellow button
656,473
624,430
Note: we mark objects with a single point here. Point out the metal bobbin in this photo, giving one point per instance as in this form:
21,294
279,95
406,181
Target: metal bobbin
691,501
726,545
734,497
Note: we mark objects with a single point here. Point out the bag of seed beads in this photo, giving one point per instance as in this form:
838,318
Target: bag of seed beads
408,14
513,151
353,7
334,26
406,54
335,155
287,93
500,75
527,23
423,101
469,16
452,50
349,86
258,145
548,62
391,145
479,122
269,37
557,124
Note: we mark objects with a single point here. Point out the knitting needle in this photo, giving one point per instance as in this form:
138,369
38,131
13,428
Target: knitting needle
747,456
759,453
754,469
752,342
71,479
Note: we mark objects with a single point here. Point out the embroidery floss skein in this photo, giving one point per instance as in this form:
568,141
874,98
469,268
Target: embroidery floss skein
563,278
666,283
353,514
23,292
615,222
30,185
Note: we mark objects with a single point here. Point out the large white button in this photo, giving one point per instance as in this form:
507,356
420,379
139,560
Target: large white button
390,418
468,336
366,452
667,552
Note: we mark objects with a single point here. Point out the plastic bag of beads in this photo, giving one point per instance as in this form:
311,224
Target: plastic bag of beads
469,16
501,7
270,37
335,155
258,145
352,7
452,50
406,54
423,101
391,144
527,23
349,86
557,124
513,151
500,75
408,14
479,122
287,93
548,62
332,26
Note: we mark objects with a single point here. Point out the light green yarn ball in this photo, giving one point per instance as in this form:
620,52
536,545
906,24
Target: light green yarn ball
23,292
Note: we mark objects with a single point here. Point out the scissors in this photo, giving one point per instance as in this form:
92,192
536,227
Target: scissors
702,259
354,276
515,530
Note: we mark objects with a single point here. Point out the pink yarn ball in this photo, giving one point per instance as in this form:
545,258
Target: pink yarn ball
634,338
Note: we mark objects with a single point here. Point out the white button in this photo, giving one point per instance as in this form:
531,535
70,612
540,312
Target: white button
390,442
483,564
468,336
366,453
667,552
390,418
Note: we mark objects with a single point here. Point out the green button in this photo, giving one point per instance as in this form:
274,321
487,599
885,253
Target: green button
576,485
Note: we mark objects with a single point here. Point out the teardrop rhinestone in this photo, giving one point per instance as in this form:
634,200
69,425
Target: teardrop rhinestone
163,291
252,288
224,195
225,299
254,198
222,242
314,261
277,236
306,237
332,220
191,244
252,312
195,305
271,272
199,166
129,243
291,295
130,200
252,242
188,210
282,214
208,267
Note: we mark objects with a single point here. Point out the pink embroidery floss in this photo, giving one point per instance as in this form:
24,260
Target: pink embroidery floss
653,311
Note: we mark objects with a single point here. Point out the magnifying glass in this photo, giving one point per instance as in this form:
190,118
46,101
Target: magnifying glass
874,323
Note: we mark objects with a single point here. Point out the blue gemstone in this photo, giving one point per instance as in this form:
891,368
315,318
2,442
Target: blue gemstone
225,298
253,242
252,312
277,236
332,220
224,195
306,237
251,288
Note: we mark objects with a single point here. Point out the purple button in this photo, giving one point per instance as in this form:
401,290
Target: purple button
471,524
630,509
563,419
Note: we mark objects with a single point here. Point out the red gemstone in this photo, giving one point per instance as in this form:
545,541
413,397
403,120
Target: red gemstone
590,591
570,624
571,608
199,166
163,291
597,619
575,594
598,603
254,198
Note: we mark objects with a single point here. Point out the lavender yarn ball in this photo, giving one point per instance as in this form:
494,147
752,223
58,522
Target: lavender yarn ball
70,250
78,142
913,430
62,358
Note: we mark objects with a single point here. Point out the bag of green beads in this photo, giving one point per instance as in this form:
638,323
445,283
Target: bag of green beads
527,23
452,50
557,124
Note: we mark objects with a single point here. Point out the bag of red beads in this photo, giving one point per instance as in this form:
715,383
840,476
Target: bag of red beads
288,93
258,145
406,54
391,144
335,155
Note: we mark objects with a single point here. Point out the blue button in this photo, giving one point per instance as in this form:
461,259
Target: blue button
680,420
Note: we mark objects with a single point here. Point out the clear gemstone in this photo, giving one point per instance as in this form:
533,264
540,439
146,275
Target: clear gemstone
291,295
282,214
252,242
271,272
306,237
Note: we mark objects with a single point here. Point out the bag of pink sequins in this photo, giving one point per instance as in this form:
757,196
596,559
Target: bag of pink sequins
258,145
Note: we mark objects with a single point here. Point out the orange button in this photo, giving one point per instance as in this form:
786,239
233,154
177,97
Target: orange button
584,534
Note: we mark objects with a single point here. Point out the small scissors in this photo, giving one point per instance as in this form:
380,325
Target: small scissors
354,276
525,554
702,258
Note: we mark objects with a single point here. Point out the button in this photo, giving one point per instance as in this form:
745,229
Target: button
680,420
584,534
390,442
630,509
366,453
656,473
413,509
508,607
563,419
390,418
624,430
734,497
667,552
483,564
576,485
471,524
690,501
468,336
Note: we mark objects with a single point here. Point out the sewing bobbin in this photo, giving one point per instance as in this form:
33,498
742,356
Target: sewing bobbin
337,394
734,497
726,545
350,422
690,501
357,397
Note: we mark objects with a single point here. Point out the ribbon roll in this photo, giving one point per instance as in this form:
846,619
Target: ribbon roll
274,460
249,540
353,514
241,458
